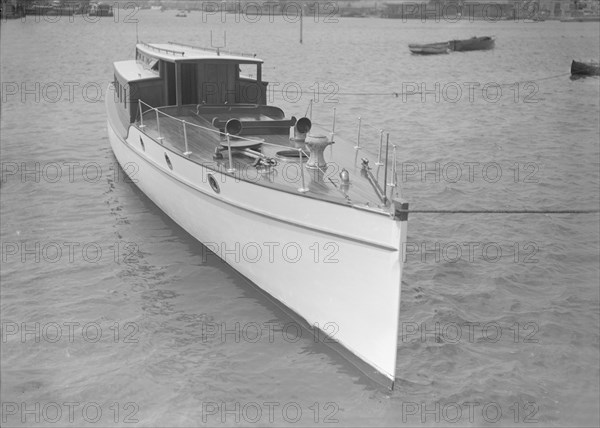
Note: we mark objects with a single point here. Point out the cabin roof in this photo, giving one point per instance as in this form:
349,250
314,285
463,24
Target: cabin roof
180,52
132,70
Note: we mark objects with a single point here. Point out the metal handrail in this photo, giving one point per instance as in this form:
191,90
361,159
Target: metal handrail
162,49
392,184
211,49
209,129
230,168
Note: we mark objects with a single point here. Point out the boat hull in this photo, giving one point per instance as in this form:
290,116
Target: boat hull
584,69
430,49
336,267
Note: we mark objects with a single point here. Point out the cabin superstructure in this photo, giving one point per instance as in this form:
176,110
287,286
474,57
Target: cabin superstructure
170,74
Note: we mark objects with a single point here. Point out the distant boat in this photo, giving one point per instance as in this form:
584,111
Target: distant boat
181,14
54,8
581,18
472,44
584,69
429,49
100,9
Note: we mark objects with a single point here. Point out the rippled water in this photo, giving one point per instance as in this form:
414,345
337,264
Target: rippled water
501,315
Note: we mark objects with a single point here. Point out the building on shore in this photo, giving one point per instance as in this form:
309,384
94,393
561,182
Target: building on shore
488,10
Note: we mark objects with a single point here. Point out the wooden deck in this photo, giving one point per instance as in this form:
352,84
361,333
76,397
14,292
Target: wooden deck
204,140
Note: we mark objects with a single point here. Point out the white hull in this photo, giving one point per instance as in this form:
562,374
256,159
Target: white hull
337,267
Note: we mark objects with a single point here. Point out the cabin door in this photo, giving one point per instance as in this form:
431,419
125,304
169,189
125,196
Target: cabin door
188,84
217,83
170,79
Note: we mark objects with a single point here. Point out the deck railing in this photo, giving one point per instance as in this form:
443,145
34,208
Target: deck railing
145,109
382,159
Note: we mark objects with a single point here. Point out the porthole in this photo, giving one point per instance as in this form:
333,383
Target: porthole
213,183
169,164
142,144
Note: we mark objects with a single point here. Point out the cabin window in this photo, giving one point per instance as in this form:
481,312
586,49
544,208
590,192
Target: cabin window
124,97
153,65
248,71
248,88
118,90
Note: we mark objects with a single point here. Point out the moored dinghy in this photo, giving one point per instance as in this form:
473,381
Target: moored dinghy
472,44
322,233
584,68
429,49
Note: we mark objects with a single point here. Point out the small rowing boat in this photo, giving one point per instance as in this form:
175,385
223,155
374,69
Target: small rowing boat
584,69
429,49
472,44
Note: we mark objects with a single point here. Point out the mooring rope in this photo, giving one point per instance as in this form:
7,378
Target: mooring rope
587,211
397,94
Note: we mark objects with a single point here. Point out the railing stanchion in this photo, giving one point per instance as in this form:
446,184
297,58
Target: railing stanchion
332,134
187,150
379,163
158,125
302,189
333,125
357,147
387,146
231,169
141,114
392,182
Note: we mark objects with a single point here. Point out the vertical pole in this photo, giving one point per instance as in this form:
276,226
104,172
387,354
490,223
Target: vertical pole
332,133
333,126
158,125
309,109
392,182
302,189
301,13
395,177
187,150
380,144
357,147
387,146
231,168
